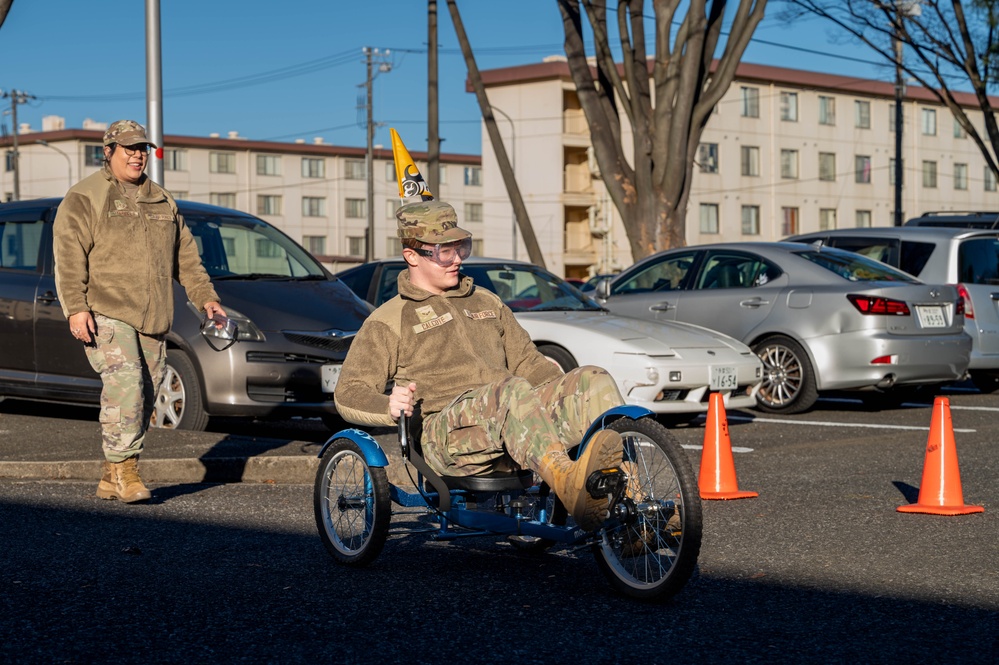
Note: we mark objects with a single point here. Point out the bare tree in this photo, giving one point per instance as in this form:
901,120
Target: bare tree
4,8
667,101
947,45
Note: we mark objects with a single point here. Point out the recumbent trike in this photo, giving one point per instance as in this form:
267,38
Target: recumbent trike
647,548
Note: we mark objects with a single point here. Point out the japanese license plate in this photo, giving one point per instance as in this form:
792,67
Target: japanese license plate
724,378
330,375
931,316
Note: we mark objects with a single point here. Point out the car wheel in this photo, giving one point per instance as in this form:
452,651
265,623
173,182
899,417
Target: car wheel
986,382
179,404
788,378
559,356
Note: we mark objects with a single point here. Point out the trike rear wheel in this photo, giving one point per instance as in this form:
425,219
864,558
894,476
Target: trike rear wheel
653,553
352,504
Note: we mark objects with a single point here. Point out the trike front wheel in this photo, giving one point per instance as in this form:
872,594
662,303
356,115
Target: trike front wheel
653,551
352,504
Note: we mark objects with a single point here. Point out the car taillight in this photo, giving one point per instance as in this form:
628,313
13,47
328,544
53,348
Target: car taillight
877,305
964,303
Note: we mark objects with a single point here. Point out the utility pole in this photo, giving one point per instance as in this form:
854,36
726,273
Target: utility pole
154,89
433,122
899,118
371,57
16,97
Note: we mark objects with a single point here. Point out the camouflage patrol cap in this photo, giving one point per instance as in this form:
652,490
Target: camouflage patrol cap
432,222
126,133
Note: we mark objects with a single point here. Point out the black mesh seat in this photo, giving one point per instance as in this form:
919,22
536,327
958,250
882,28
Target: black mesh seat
497,482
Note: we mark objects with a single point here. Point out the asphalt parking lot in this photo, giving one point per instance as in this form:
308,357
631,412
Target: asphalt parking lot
819,568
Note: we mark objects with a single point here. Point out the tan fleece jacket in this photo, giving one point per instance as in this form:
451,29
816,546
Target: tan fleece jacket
446,344
119,257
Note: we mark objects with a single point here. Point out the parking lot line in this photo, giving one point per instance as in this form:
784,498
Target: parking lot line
826,423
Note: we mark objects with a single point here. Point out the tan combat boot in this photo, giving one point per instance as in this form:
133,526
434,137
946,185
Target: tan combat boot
568,478
121,481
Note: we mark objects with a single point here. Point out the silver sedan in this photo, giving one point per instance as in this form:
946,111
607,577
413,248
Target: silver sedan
819,318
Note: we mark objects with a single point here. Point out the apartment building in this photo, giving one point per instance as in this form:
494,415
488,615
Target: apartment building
314,192
786,151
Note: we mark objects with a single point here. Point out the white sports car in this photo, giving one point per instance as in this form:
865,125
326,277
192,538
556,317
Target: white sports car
667,367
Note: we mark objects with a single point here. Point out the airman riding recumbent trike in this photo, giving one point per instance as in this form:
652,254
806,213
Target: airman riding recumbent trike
647,548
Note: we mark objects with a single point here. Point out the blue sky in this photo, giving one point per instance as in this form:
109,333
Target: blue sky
282,71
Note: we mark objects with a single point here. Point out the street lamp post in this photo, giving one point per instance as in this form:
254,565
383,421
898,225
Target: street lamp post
69,162
513,165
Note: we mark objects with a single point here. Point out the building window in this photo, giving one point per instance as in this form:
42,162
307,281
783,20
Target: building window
313,167
750,220
473,212
267,248
960,176
313,206
355,246
179,194
827,219
93,155
789,164
390,174
268,204
709,218
827,110
862,169
9,162
863,218
862,114
356,208
891,117
959,132
990,179
929,122
473,176
891,170
750,102
827,166
174,160
315,244
789,106
929,174
222,162
391,205
789,222
354,169
750,160
268,165
443,175
224,199
707,157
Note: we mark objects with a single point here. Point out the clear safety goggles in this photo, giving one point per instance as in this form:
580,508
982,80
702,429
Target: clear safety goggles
446,255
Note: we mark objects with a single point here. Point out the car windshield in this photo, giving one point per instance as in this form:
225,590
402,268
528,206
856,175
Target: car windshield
854,267
245,248
529,289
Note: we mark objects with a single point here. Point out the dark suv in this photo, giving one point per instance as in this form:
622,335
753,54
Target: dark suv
295,321
957,220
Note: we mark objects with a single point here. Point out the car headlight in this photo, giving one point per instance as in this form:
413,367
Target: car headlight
248,331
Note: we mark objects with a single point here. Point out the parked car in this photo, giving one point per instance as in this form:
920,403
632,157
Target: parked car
963,257
667,368
819,318
954,219
295,323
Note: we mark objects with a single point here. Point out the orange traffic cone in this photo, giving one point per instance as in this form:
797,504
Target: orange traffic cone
940,491
716,479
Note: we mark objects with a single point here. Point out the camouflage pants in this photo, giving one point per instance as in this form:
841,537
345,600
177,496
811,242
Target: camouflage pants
131,366
510,424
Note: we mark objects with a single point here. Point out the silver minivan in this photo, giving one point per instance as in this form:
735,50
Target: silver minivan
961,256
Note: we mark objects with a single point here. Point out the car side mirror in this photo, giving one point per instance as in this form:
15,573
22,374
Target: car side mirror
603,289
